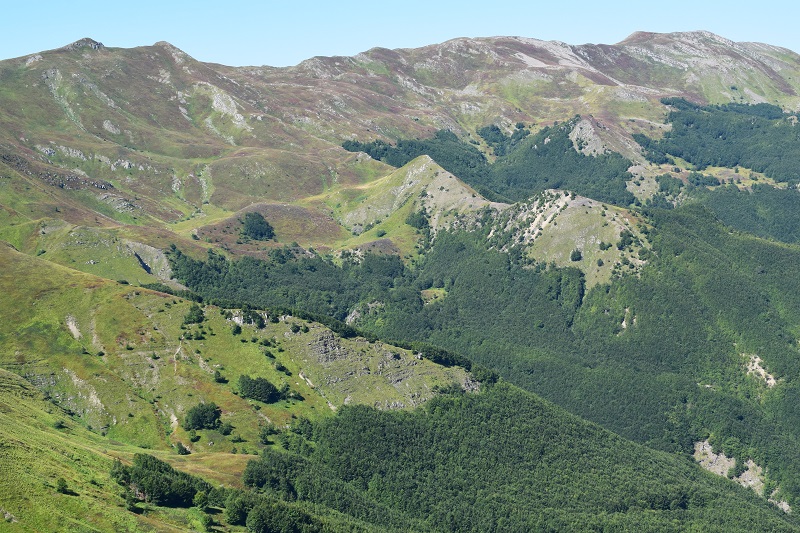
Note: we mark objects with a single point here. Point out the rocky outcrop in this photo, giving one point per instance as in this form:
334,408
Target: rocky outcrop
86,42
328,348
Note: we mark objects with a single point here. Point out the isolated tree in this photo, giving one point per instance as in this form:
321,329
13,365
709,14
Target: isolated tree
130,501
238,505
266,432
202,416
625,240
120,473
268,517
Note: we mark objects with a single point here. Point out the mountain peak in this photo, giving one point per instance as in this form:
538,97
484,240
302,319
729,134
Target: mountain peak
86,42
178,55
165,44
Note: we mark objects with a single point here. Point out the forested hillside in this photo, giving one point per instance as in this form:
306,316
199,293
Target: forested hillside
763,210
525,164
661,354
501,460
760,137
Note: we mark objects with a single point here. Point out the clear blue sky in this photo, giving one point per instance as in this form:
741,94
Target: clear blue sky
236,32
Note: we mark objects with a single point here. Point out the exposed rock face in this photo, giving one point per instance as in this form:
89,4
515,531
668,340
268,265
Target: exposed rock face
720,464
86,42
717,463
327,348
376,374
72,325
755,368
152,260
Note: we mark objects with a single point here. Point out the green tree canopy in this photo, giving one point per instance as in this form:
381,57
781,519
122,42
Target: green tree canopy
202,416
256,227
258,389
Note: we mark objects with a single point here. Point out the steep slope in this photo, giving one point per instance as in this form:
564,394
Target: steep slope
503,460
466,83
36,454
381,208
367,217
421,180
144,132
573,231
129,364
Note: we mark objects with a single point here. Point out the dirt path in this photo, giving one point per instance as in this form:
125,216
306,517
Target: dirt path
175,357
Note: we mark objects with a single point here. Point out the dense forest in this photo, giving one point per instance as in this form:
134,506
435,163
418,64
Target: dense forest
499,460
549,160
290,280
705,300
760,137
763,210
504,460
525,164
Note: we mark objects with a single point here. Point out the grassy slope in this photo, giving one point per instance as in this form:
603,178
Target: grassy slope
133,391
185,147
381,207
148,376
34,455
108,115
553,224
